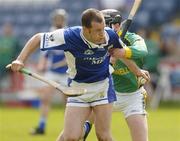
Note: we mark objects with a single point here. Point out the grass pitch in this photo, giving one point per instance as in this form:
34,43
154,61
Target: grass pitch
15,124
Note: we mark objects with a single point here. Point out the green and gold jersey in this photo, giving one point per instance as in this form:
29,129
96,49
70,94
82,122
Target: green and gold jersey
124,80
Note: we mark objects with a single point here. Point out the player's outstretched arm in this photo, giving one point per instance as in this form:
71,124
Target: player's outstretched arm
135,69
29,48
121,54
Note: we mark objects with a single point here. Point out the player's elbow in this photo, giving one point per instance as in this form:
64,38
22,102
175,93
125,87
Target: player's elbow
143,53
139,52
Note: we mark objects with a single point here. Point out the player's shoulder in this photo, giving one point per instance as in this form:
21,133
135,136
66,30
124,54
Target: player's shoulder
73,32
133,35
72,35
111,33
74,29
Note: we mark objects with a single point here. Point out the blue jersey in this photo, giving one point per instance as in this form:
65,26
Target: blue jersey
87,62
55,56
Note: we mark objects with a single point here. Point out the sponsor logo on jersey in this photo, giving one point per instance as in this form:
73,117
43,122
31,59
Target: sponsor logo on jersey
51,37
96,60
46,37
121,71
88,52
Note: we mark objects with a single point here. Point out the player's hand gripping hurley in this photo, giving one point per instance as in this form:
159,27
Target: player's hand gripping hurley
69,91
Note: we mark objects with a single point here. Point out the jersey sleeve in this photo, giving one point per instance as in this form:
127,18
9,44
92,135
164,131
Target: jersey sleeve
137,48
117,41
53,40
114,39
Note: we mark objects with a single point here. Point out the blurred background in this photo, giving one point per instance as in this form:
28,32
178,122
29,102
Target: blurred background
157,21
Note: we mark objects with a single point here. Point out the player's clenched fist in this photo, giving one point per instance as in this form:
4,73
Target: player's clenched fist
145,74
17,65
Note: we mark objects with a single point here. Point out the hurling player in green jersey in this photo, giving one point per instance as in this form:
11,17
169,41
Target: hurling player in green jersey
129,91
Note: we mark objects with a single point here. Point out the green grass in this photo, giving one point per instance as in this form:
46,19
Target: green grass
15,124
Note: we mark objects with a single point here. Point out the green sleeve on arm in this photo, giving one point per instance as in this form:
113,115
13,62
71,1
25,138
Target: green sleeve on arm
137,48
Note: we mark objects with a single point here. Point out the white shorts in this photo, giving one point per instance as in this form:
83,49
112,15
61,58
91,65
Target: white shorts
131,103
98,93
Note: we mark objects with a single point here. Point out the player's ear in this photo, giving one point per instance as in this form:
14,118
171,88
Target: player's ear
86,30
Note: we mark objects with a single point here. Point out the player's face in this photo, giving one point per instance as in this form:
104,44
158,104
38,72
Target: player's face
116,27
97,33
59,21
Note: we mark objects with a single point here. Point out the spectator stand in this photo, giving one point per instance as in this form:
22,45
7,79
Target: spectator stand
168,86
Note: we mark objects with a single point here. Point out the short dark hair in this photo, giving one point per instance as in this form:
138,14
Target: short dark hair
90,15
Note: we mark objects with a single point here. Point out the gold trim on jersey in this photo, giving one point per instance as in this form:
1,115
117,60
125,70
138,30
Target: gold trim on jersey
119,33
128,52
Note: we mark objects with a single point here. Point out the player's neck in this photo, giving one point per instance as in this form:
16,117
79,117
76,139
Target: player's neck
86,36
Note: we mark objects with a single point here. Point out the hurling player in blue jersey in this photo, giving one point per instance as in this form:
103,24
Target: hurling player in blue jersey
52,64
87,50
131,96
